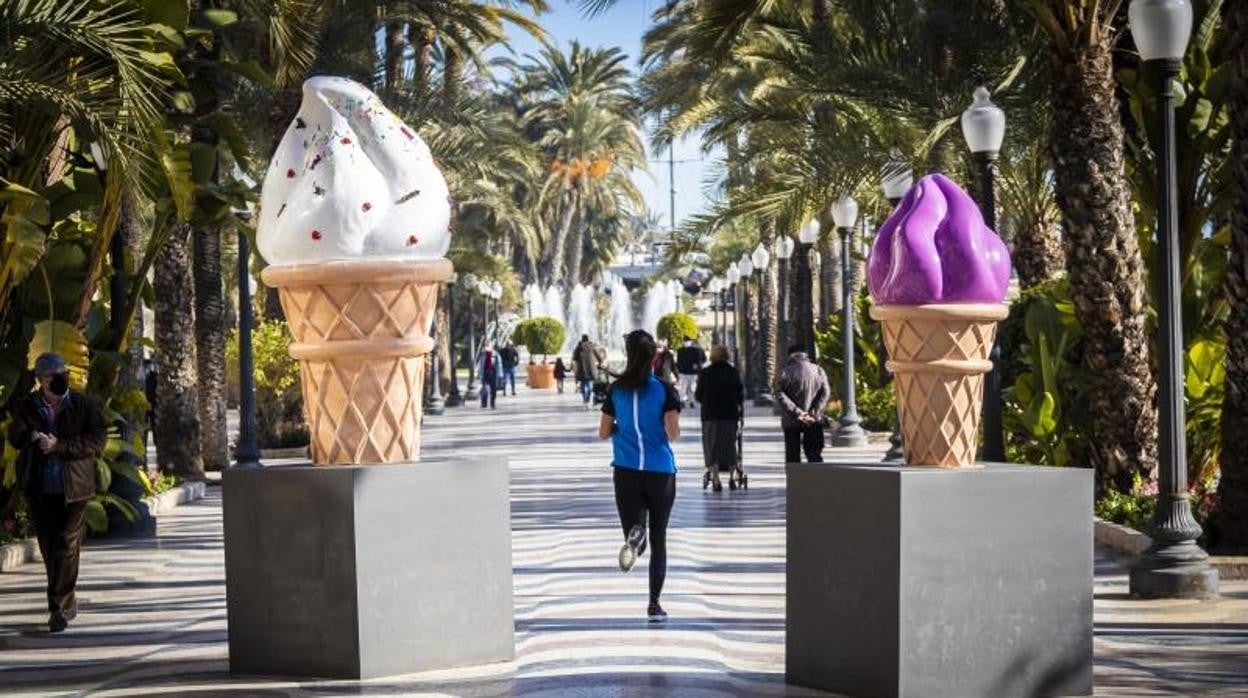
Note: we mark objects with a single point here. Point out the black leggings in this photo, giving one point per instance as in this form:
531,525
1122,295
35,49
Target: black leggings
638,493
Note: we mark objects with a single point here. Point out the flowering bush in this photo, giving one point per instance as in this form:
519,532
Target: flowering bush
1135,509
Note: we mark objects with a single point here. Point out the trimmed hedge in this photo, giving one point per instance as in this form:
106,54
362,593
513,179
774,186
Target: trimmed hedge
676,328
542,335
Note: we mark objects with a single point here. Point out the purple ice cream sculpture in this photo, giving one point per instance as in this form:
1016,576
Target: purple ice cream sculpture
938,277
935,248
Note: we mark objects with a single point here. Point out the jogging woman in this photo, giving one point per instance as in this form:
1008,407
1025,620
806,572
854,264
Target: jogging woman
641,417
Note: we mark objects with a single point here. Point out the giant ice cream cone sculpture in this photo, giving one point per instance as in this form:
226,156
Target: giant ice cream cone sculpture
354,224
938,278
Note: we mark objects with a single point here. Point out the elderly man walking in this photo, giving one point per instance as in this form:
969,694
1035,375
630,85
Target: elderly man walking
804,393
59,435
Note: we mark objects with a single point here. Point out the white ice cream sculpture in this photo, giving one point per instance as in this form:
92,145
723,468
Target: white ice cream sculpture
355,223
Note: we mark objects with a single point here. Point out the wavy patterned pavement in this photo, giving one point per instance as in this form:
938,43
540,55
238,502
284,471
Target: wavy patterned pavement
153,611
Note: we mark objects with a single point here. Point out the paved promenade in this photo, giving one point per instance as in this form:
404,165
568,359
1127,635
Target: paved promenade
152,615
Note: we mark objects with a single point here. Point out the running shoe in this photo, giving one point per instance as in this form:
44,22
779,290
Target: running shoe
656,613
634,546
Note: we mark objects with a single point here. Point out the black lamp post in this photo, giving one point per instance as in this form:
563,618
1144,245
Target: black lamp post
983,127
896,179
471,285
454,398
247,450
805,282
763,345
849,433
1174,566
434,404
784,252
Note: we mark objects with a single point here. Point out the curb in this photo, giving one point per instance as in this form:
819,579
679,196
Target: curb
13,555
1132,543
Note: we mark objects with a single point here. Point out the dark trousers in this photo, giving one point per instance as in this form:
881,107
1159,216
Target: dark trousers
59,528
642,495
808,439
489,391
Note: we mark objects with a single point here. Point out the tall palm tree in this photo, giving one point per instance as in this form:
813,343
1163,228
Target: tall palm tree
579,108
1106,269
1233,485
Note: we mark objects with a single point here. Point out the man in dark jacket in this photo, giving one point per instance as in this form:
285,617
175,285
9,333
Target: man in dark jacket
59,434
511,359
803,395
689,361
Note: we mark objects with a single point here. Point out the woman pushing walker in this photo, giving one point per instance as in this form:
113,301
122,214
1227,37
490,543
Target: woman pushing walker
641,416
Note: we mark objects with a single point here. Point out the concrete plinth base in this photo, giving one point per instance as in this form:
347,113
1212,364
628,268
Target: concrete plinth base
364,571
926,582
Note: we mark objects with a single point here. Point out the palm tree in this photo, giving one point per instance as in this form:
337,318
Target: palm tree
1106,269
580,111
1233,486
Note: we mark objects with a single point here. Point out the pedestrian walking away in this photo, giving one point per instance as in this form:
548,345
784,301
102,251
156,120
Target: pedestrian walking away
803,396
689,362
59,434
722,397
511,359
641,416
561,373
664,364
490,369
586,360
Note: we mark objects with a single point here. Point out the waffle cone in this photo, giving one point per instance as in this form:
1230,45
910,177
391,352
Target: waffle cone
938,355
361,335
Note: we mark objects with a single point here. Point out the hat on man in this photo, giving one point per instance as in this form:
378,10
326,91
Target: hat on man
49,362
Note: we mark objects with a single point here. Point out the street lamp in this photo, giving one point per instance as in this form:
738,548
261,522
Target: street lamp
806,237
454,398
715,285
471,286
983,127
896,178
1173,566
849,433
761,258
247,450
784,252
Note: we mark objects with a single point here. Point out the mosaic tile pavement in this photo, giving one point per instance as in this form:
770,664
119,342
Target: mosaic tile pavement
152,615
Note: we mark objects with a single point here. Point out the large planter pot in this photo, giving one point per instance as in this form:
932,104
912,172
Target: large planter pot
541,376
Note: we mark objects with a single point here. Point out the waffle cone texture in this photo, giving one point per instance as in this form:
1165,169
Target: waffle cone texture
361,335
938,355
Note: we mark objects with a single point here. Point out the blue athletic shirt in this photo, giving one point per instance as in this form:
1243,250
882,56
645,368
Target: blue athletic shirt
640,441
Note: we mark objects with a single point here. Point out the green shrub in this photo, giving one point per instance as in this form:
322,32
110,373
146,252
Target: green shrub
676,328
542,335
279,397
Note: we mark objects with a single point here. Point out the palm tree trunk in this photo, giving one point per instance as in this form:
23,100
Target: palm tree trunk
1037,255
768,312
421,36
576,252
210,333
829,270
1233,485
452,73
394,58
801,299
177,392
552,265
1106,269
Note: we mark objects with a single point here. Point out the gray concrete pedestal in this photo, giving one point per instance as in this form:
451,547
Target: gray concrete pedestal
926,582
357,572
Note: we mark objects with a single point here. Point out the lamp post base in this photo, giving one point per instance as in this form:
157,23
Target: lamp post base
849,435
1174,571
435,406
764,399
455,400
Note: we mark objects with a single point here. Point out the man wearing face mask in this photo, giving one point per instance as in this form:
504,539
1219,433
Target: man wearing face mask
60,434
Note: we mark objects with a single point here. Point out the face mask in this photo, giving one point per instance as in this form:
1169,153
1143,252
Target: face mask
59,385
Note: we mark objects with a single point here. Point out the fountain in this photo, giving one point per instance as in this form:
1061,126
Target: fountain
661,299
534,302
552,305
620,319
582,318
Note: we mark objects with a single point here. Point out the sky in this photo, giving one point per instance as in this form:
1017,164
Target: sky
623,26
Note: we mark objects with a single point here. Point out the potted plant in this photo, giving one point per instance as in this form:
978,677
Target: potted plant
544,336
676,328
